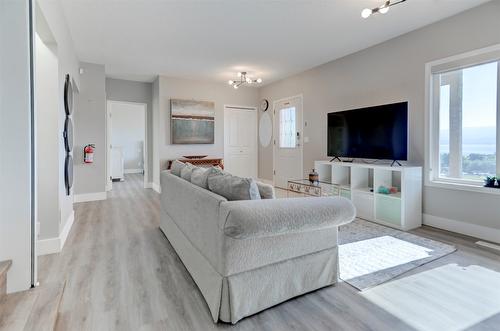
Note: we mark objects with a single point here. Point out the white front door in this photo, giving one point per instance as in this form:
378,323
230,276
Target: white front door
240,141
287,135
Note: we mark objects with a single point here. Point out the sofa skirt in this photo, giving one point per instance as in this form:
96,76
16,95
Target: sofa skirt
231,298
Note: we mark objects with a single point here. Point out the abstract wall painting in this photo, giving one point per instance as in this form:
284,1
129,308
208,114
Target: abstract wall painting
192,122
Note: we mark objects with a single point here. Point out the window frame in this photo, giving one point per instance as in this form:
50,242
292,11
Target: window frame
432,69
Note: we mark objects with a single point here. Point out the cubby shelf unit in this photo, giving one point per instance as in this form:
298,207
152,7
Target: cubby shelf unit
359,182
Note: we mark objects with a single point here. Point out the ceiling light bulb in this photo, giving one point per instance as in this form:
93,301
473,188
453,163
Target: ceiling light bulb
230,82
239,74
366,13
385,7
235,87
249,80
259,80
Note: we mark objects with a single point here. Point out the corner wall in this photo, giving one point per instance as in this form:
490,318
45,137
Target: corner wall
389,72
90,128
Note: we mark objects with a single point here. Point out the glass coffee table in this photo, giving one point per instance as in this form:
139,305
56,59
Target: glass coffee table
308,188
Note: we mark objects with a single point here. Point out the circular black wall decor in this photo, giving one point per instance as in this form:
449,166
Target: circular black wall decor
68,96
68,173
68,135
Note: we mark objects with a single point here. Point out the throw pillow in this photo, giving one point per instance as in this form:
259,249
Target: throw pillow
187,171
234,187
266,191
176,168
199,176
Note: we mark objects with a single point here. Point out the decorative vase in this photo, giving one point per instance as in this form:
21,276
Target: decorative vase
313,176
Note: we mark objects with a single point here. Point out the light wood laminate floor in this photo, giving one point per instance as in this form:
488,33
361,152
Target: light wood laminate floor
121,273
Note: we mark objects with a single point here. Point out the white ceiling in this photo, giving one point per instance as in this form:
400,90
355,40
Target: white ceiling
214,39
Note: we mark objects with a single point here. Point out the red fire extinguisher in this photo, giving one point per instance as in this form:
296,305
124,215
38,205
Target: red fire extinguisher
88,153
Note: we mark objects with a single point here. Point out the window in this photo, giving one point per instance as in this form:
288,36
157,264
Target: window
464,114
287,128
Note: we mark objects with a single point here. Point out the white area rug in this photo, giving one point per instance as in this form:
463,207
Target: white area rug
447,298
371,254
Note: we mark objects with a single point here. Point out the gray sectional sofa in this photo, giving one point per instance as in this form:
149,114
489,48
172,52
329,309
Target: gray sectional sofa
248,255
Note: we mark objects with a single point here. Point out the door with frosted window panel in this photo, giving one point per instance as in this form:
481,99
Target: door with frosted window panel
287,141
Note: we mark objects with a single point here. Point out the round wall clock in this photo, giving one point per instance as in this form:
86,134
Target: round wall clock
264,104
68,96
68,135
68,173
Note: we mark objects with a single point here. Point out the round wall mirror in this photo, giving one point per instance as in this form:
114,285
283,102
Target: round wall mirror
68,135
68,173
68,96
265,129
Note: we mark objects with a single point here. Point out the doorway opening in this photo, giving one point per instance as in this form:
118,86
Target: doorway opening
127,141
287,143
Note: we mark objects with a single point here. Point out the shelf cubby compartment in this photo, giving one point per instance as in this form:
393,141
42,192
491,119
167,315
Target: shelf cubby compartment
345,193
362,179
388,209
363,201
387,178
341,175
324,171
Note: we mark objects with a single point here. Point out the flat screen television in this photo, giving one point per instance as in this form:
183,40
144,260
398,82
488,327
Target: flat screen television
379,132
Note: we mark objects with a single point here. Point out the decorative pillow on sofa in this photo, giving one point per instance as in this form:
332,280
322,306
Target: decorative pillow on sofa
266,191
187,171
234,187
176,168
199,176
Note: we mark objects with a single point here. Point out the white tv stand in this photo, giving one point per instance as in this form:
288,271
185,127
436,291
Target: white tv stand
360,182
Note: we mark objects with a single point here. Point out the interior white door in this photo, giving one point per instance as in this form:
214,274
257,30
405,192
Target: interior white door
287,141
240,141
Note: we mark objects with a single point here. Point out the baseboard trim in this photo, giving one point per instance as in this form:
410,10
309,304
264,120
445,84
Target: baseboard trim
156,187
468,229
55,245
90,197
48,246
67,227
133,171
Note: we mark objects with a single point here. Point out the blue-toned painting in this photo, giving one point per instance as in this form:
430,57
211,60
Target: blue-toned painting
192,122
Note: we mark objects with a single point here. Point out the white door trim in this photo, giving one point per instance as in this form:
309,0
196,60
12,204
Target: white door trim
247,108
275,102
109,183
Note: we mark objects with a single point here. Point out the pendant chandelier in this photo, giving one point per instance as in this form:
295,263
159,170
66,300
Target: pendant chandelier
367,12
243,79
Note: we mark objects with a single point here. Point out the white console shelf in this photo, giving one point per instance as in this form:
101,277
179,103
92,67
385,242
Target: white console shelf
359,182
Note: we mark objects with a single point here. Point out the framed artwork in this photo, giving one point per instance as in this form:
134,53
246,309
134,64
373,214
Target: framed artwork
192,122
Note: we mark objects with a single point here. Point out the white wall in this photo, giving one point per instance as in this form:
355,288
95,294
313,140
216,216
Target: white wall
47,138
90,128
142,92
15,135
221,94
68,64
389,72
128,124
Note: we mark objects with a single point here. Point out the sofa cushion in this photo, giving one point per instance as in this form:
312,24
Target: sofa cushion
266,191
176,168
234,187
199,176
187,171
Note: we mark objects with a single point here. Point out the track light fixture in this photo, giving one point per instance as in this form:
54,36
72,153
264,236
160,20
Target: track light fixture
367,12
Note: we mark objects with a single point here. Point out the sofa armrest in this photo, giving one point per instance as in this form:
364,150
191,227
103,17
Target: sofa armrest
264,218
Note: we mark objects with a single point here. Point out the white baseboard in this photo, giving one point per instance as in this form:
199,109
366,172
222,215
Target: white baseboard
148,185
133,171
55,245
48,246
156,187
468,229
67,227
90,197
